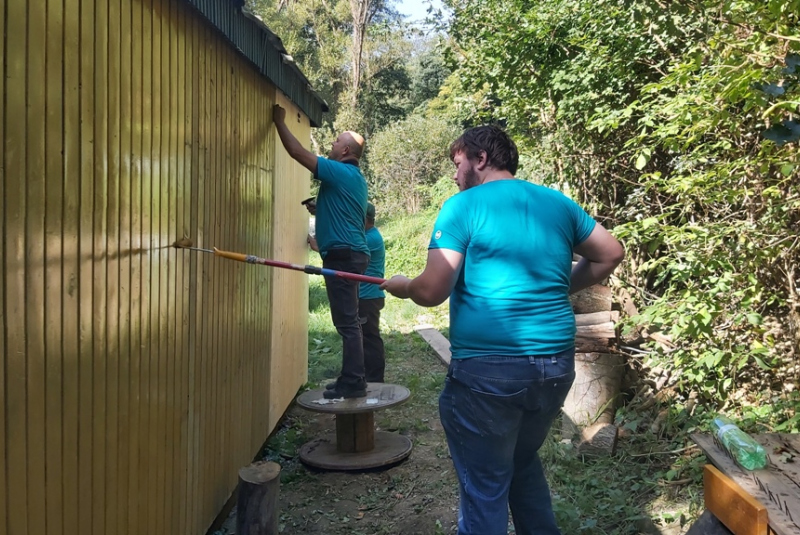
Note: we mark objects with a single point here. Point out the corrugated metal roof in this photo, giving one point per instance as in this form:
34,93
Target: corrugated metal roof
254,40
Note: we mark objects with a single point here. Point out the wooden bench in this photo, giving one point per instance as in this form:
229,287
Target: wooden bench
758,502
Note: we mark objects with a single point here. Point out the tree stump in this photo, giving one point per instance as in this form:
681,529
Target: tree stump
592,399
599,439
257,501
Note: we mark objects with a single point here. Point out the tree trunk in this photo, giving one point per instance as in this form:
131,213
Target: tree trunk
359,9
594,394
257,502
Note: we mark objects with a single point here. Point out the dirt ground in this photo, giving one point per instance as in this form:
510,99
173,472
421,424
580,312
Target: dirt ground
419,496
416,496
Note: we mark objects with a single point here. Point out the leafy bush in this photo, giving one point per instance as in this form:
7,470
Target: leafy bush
406,158
675,123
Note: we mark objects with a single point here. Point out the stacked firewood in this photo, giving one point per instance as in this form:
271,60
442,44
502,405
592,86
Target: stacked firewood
589,409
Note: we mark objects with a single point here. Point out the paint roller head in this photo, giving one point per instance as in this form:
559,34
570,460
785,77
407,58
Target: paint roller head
182,243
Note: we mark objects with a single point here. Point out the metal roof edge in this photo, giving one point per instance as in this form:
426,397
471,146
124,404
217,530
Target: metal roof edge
256,42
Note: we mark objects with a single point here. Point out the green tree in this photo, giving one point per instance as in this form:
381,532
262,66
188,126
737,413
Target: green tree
408,158
675,122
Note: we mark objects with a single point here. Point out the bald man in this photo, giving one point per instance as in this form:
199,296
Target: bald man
341,209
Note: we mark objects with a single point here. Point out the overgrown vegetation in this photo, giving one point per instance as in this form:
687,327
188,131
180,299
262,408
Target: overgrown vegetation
676,124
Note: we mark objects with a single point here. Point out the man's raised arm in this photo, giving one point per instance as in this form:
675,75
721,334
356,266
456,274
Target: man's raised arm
296,150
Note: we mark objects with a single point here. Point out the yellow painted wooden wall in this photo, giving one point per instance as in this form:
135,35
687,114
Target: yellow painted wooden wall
137,379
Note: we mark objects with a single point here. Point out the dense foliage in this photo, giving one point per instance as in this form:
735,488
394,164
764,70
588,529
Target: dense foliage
676,124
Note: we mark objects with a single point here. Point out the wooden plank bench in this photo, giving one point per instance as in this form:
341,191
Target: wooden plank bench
758,502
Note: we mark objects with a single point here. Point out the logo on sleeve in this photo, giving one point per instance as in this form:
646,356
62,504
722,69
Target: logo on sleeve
437,235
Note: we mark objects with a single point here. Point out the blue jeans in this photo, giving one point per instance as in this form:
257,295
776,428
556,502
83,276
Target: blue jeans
496,413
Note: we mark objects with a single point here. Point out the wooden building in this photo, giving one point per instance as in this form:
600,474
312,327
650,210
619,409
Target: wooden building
135,379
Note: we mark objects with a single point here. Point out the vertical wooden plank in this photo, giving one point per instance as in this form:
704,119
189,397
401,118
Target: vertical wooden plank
210,294
166,312
69,281
241,201
243,97
183,123
155,430
242,325
137,490
34,265
205,304
220,293
210,297
4,436
195,89
14,270
113,280
248,103
53,203
127,328
175,458
259,159
225,293
98,175
100,257
86,333
147,461
209,314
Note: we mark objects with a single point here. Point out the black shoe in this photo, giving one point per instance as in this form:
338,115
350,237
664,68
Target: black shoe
346,391
331,386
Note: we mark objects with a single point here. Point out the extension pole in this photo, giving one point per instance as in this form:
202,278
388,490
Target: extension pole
311,270
251,259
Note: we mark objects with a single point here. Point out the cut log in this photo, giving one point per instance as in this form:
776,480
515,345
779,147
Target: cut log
596,318
257,502
599,439
591,345
595,298
594,394
601,330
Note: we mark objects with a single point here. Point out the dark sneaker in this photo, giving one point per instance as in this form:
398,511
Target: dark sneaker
346,391
331,386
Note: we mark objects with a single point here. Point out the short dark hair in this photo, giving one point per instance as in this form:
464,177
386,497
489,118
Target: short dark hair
501,151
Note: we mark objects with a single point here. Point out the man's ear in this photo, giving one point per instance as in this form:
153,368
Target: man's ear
481,161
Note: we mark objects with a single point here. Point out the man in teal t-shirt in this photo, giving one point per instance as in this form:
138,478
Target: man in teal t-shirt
370,303
501,250
341,208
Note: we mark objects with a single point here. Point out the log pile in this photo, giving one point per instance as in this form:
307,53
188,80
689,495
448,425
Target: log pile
590,406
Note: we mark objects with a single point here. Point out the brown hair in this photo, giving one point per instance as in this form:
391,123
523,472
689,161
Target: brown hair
501,151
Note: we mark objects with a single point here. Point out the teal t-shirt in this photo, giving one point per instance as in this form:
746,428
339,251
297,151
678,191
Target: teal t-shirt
341,206
512,295
376,268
